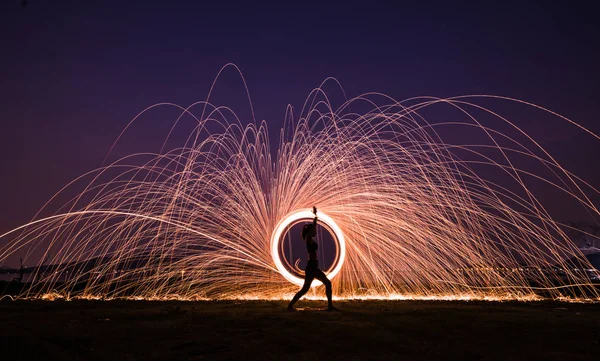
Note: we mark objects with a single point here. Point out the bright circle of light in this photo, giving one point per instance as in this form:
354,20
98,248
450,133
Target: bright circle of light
306,214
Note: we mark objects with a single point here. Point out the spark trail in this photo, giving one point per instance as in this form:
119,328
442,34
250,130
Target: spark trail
419,215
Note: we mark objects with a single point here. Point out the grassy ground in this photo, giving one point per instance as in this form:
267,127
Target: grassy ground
364,330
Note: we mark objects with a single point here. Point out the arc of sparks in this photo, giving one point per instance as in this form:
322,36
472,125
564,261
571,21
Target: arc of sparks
414,215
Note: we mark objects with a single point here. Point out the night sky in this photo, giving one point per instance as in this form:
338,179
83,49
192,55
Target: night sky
74,73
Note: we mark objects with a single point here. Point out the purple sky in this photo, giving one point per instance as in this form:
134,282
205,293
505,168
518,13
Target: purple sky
75,72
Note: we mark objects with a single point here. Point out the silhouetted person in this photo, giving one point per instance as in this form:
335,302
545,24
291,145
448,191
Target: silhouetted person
312,270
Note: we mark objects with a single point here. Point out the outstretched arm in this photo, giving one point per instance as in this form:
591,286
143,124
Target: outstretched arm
315,219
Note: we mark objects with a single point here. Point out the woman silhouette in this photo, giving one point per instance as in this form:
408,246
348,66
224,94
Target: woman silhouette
312,270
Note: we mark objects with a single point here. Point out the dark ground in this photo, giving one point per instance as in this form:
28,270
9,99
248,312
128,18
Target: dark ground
229,330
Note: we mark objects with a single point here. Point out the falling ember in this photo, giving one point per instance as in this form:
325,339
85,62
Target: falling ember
412,215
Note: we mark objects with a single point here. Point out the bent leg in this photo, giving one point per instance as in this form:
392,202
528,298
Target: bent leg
321,277
308,278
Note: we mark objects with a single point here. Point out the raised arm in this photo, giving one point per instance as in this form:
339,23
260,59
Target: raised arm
315,219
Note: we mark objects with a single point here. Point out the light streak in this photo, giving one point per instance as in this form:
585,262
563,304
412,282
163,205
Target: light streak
414,216
306,214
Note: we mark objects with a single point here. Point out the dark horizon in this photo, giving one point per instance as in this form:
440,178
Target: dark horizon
75,73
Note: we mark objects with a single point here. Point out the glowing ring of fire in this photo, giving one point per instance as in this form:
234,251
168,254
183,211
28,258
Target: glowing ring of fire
308,215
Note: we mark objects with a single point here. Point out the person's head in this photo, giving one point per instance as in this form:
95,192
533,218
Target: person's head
308,231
